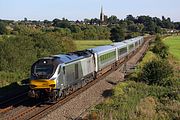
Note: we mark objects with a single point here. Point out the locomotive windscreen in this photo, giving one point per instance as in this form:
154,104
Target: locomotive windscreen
44,68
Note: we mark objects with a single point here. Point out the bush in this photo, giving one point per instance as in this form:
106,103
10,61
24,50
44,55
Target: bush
160,48
139,101
3,29
149,56
156,72
8,77
117,34
17,53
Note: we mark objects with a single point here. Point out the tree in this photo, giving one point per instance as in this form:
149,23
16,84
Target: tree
177,25
113,20
133,28
25,30
158,29
47,22
156,72
158,21
90,33
167,23
102,32
141,27
17,54
130,18
55,22
64,32
117,34
64,23
3,29
86,21
94,21
25,19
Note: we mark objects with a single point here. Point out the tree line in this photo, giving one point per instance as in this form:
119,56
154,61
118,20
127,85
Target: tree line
92,29
19,52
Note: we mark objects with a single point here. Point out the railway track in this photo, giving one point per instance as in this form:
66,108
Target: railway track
129,64
10,103
38,110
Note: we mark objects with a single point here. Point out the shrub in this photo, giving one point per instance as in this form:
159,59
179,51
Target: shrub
138,101
149,56
17,53
156,72
160,48
117,34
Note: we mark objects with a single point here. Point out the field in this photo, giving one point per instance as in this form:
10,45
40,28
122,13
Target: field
85,44
174,46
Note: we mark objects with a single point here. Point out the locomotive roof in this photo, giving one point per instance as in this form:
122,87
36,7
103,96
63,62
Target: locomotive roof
73,56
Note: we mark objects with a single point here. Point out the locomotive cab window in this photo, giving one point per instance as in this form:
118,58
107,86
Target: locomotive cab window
43,71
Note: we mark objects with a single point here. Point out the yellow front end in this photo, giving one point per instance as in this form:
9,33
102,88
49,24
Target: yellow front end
43,84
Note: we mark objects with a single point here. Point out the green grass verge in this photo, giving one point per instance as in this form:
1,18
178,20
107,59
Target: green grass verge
174,45
132,100
85,44
138,101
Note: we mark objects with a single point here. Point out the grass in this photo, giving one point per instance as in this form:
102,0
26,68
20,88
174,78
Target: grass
138,101
174,45
85,44
132,100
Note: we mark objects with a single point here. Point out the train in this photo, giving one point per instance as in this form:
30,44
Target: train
57,76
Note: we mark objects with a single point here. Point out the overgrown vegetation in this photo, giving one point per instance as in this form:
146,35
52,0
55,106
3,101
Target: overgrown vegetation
151,93
117,34
156,72
160,48
20,51
134,101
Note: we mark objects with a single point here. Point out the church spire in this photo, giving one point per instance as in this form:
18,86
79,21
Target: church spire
101,14
101,9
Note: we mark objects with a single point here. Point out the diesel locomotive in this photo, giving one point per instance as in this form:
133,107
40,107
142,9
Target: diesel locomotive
59,75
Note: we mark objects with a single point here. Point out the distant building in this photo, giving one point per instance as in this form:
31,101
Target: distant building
101,15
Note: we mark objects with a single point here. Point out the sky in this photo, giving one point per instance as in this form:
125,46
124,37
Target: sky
80,9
